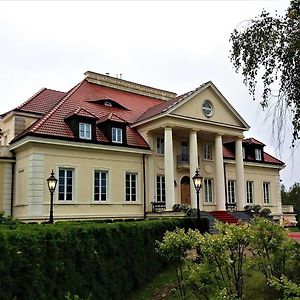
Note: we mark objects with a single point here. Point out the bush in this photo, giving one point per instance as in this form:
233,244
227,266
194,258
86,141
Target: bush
91,260
7,220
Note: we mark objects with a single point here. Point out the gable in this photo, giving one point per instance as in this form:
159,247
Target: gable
223,112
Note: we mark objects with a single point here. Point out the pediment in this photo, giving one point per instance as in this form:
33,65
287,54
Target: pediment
196,107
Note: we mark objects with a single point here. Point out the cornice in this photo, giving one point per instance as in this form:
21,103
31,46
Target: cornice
128,86
75,144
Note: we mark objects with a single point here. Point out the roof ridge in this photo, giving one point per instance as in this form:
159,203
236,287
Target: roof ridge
55,108
30,98
79,108
172,103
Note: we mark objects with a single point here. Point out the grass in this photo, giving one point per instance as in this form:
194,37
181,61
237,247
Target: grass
164,286
293,229
161,285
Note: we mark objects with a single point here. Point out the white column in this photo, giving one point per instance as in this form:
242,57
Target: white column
220,184
240,177
193,165
169,169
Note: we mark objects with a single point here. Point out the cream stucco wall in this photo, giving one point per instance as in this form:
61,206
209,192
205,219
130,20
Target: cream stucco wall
32,196
5,186
13,124
259,175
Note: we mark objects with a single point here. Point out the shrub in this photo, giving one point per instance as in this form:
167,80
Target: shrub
90,260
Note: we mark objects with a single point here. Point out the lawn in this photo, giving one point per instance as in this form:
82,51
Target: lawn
164,286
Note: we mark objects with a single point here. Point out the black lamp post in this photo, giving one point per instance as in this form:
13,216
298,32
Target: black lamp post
52,181
197,179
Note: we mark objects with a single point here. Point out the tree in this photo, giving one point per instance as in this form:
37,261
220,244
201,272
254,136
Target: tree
225,259
292,197
269,47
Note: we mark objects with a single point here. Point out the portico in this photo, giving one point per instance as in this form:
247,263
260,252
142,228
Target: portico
176,166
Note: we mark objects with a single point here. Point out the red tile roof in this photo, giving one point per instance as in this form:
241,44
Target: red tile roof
253,141
131,107
228,153
166,105
111,117
79,111
42,101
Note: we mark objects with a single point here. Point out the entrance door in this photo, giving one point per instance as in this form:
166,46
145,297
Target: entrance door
185,190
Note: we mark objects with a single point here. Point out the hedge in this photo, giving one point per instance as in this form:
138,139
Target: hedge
88,259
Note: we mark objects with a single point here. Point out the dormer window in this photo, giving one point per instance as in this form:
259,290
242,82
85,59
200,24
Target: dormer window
258,154
107,103
116,135
85,131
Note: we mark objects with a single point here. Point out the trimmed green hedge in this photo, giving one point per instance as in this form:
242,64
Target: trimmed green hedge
100,261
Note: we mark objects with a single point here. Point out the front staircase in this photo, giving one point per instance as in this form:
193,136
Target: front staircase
224,216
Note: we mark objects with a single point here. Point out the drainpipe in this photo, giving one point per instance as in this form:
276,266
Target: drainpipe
144,182
13,166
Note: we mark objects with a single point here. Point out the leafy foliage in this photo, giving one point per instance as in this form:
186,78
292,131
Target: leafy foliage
292,197
88,260
223,259
271,248
289,289
269,47
8,220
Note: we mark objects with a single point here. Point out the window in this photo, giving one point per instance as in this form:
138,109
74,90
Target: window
184,157
85,131
160,145
131,187
116,135
244,152
160,188
250,192
107,103
207,151
231,191
208,190
266,188
207,108
258,155
100,185
65,184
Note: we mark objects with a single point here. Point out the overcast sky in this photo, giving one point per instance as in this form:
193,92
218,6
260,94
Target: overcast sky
172,45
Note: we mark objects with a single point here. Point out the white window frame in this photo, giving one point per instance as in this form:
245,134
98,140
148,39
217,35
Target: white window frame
131,197
116,135
258,154
267,192
207,152
100,199
231,191
65,169
208,190
85,131
249,192
160,145
160,188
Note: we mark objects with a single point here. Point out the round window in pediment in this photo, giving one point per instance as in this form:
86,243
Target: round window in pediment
207,108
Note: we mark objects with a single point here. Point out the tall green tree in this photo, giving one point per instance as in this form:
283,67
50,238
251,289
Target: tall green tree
267,51
292,197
